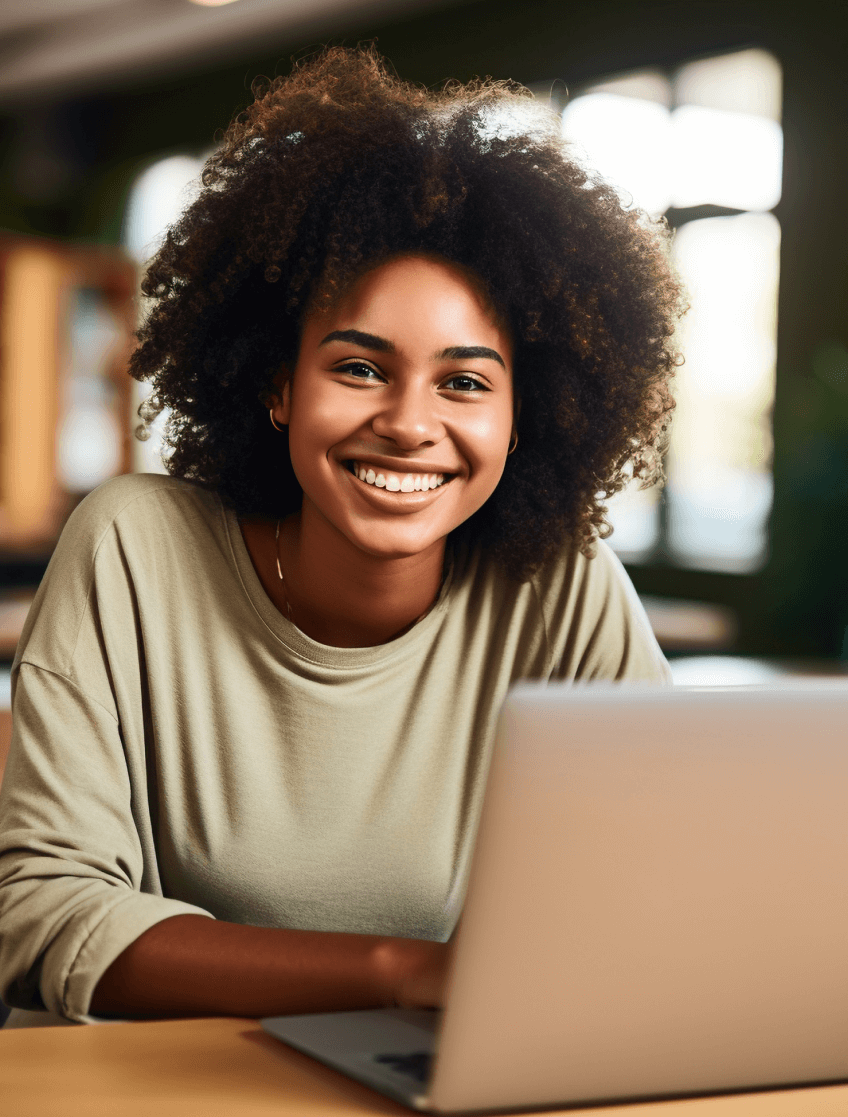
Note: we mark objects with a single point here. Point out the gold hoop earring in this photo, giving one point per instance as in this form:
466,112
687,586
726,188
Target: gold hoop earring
513,444
273,424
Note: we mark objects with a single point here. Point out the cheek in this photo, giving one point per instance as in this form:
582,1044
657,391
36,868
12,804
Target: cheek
487,437
314,428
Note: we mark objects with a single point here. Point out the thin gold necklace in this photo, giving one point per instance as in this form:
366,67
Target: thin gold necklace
280,572
288,603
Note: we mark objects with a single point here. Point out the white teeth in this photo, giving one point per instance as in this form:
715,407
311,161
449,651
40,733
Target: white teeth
394,483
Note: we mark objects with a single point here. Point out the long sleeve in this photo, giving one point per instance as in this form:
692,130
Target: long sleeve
79,876
71,861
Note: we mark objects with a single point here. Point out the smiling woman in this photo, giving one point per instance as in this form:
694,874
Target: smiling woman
402,381
272,679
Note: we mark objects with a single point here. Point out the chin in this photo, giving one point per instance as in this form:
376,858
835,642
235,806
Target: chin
393,547
398,551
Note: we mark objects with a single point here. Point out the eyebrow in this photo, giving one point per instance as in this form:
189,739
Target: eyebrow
357,337
469,353
383,345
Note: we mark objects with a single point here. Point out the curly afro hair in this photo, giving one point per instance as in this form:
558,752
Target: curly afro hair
341,166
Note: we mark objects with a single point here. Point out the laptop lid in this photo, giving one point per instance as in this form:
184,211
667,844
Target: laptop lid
658,901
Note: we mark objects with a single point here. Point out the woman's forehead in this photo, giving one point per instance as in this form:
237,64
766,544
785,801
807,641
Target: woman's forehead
415,297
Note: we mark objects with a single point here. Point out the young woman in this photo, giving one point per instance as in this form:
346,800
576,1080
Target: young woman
408,349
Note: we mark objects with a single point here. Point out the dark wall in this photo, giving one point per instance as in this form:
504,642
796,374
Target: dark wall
799,604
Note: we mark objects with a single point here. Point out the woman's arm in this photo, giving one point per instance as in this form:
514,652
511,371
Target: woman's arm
189,965
71,868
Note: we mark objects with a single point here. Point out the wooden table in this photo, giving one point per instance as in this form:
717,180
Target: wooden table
213,1068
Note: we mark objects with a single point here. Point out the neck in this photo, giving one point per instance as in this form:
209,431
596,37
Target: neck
338,594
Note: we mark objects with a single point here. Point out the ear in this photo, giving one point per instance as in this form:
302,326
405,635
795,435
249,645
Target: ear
284,405
280,402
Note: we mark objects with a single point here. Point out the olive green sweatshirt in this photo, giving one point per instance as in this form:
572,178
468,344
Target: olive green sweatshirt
179,746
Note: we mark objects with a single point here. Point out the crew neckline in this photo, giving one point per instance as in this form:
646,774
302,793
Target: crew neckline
303,646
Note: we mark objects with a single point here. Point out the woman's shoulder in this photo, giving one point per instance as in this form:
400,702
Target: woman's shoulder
596,573
137,499
596,623
564,573
119,539
586,588
127,519
593,621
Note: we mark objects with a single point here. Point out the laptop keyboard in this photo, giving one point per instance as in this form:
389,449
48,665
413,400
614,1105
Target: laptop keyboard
415,1065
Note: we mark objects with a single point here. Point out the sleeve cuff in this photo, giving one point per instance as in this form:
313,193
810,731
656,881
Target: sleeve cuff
99,948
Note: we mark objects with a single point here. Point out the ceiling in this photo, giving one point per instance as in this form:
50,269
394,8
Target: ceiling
58,47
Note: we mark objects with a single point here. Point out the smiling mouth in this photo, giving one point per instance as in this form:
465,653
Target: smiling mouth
396,482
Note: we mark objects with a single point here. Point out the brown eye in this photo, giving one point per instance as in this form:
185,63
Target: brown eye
359,371
464,383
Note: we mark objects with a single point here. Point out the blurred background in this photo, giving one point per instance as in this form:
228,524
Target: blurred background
728,118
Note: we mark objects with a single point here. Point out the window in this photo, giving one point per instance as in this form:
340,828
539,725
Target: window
703,145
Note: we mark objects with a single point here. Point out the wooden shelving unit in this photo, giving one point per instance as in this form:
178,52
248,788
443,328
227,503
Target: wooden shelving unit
37,281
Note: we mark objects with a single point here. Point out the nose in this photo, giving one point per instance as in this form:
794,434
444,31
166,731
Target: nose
409,417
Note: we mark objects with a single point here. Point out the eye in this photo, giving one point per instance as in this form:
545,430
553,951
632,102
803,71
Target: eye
464,383
360,371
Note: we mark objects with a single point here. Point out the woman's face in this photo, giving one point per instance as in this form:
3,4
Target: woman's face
400,407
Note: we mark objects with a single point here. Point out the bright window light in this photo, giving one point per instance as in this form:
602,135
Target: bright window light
719,461
627,141
725,158
635,517
709,135
718,520
158,197
640,85
748,81
730,268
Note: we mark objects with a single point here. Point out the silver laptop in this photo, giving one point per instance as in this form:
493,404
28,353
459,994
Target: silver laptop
657,906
